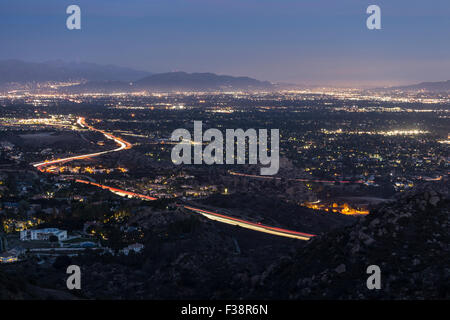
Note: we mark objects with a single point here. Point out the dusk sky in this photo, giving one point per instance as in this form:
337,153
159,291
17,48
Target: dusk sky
300,41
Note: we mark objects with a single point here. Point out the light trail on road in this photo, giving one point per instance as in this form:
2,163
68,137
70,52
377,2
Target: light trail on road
212,215
118,191
252,225
124,145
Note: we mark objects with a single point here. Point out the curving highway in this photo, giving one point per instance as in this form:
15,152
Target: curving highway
124,145
251,225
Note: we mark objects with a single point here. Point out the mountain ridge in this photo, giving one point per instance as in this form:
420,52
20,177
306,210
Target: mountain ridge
176,81
434,86
17,71
93,77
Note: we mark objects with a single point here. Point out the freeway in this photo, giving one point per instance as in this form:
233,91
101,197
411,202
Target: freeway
212,215
251,225
119,192
124,145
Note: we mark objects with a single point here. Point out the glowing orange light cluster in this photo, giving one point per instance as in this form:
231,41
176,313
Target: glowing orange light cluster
337,208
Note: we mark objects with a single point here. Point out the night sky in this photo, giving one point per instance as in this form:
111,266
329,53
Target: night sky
301,41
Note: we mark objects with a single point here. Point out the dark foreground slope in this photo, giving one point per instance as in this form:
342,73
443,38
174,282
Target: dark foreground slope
408,239
17,288
187,256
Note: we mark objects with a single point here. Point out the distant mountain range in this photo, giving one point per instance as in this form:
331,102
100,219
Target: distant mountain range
109,78
16,71
199,81
440,86
176,81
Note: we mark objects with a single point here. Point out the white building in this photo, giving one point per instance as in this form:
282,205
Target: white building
43,234
137,247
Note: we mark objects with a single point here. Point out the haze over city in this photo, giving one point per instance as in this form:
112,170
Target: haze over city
302,42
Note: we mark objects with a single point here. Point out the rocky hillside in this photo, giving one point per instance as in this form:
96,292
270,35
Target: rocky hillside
408,239
187,256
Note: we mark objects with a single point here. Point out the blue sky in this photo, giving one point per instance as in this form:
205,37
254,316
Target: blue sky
302,41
